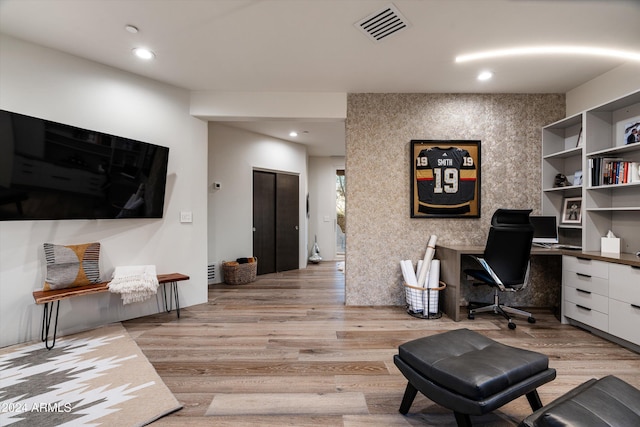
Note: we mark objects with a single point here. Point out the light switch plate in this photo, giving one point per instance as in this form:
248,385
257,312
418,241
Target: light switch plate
186,216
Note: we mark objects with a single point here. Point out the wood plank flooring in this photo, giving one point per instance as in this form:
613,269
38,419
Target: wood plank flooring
285,351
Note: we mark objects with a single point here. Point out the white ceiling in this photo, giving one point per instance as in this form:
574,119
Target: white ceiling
314,46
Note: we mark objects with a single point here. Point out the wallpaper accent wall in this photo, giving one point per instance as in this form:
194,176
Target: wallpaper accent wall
380,232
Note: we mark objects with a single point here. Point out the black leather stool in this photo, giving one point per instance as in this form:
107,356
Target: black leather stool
469,373
608,401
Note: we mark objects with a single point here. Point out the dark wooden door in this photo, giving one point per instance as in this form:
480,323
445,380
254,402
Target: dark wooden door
264,221
287,228
275,221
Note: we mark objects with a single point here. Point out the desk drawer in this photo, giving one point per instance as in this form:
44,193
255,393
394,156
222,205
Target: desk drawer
585,282
586,299
624,283
624,320
587,316
588,267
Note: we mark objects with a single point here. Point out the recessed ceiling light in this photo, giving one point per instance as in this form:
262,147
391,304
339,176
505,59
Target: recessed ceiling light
293,133
551,50
485,75
143,53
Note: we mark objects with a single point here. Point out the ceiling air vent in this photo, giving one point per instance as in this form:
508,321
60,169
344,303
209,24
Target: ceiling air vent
383,23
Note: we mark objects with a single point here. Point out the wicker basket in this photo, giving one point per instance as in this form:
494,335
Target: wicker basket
239,274
423,302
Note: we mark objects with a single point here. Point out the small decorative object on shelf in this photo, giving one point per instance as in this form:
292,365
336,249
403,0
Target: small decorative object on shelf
560,181
577,178
580,139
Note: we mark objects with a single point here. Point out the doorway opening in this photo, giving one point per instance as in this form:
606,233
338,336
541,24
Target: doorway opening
341,214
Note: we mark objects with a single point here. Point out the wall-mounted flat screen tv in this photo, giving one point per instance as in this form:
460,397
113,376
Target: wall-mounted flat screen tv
52,171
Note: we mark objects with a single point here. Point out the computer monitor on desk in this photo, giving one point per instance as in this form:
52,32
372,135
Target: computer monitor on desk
545,233
545,230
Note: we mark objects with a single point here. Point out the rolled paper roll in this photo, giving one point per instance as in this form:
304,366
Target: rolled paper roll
413,297
433,282
428,256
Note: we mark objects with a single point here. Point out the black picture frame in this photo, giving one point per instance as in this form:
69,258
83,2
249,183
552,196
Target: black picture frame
445,178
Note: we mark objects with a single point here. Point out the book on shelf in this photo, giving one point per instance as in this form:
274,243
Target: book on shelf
612,171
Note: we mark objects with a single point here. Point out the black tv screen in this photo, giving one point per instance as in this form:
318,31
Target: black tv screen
50,171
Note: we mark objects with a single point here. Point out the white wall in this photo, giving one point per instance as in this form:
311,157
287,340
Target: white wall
322,204
616,83
233,155
45,83
215,105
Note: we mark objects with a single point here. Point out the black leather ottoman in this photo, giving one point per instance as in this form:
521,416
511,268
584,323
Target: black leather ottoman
608,401
469,373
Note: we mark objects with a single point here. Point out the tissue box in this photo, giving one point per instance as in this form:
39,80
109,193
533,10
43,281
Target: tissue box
610,245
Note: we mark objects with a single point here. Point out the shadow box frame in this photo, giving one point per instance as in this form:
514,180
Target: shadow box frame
433,196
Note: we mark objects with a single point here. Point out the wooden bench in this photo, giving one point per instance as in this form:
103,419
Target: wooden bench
57,295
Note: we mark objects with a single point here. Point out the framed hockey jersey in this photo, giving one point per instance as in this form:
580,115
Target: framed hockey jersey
445,179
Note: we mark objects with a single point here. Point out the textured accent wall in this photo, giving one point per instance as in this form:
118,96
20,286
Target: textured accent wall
380,231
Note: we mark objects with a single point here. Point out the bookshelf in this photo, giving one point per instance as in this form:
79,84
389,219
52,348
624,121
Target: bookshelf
610,189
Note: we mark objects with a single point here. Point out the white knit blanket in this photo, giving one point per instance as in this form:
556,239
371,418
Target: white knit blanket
134,283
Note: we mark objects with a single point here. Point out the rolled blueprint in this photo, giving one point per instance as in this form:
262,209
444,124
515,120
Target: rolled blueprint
408,273
413,296
426,265
433,282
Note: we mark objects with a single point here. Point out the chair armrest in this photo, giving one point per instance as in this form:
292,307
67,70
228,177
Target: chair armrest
487,268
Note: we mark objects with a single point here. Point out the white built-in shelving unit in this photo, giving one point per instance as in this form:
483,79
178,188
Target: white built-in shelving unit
605,206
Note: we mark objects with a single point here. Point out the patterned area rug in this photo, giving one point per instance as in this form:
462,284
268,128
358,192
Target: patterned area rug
99,377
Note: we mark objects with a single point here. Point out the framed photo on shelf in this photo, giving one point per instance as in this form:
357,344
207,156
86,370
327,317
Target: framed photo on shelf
632,132
445,179
577,178
572,210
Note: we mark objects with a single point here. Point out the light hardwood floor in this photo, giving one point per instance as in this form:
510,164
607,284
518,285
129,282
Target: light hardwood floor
285,351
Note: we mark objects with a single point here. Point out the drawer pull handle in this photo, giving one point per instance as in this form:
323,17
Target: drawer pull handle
635,306
584,275
583,259
583,307
583,291
635,267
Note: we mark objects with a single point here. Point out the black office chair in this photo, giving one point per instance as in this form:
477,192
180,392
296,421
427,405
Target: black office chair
505,263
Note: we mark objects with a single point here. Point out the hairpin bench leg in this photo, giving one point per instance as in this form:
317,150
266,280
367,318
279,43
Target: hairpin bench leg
174,286
46,324
168,305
